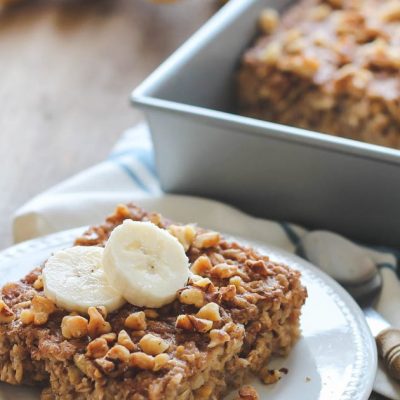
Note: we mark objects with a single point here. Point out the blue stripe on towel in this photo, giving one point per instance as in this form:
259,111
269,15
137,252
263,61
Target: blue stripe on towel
131,174
144,156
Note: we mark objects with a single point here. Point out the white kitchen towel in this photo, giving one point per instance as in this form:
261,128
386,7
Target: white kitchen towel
128,175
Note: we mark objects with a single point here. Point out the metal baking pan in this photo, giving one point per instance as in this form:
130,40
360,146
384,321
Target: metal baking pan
267,169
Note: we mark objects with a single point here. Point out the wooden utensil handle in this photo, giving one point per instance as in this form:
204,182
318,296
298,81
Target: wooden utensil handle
388,342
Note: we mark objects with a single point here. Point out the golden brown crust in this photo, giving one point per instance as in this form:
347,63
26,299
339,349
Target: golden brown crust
230,319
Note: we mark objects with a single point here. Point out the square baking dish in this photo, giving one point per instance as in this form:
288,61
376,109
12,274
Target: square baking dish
267,169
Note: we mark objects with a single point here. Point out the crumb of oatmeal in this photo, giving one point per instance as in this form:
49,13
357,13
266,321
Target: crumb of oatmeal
247,392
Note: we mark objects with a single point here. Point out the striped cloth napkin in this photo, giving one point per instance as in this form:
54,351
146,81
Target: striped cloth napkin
129,174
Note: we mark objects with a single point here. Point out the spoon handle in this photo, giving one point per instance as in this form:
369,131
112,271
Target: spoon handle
388,343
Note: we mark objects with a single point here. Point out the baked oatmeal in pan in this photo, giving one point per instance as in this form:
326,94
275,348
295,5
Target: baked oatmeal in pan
327,65
236,310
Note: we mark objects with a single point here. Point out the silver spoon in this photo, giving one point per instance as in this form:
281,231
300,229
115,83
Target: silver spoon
357,272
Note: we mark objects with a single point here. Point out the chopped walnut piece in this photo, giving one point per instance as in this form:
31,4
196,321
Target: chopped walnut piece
118,352
109,337
125,340
136,321
268,20
38,284
192,296
106,365
6,314
204,283
201,266
153,345
259,267
97,324
156,219
206,240
210,311
150,313
228,293
236,280
97,348
224,270
26,316
74,327
272,53
192,323
234,254
247,392
184,233
142,361
123,211
160,361
218,337
42,307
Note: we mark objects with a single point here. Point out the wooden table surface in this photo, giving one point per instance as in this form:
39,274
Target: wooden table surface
66,71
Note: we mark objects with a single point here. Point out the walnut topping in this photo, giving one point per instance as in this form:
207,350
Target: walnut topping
272,53
118,352
38,284
224,270
192,296
258,267
218,337
160,361
184,233
236,280
106,365
97,324
268,21
142,361
156,219
228,293
97,348
204,283
247,392
109,337
26,316
125,340
192,323
234,254
136,321
206,240
123,211
6,314
153,345
150,313
74,326
210,311
41,307
201,266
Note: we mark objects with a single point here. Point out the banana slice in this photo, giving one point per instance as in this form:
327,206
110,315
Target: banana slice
74,280
146,264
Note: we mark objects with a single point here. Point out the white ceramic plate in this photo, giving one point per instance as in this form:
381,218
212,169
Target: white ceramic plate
335,358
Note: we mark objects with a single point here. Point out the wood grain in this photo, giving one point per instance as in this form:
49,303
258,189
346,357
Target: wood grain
67,69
